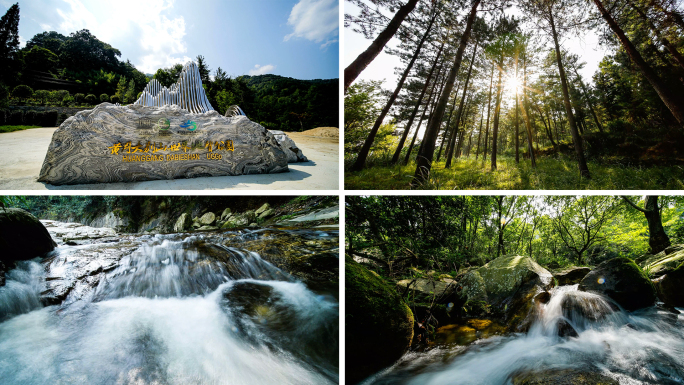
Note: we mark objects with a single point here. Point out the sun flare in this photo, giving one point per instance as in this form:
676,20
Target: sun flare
512,85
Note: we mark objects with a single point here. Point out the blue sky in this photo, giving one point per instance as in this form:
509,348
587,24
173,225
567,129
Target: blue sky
295,38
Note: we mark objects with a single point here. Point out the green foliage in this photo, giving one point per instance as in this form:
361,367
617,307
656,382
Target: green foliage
22,91
91,99
121,88
68,100
41,59
361,108
16,128
115,99
104,98
42,96
130,92
9,44
4,96
79,98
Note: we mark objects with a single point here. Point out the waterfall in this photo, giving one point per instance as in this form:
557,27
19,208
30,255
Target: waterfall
574,330
175,310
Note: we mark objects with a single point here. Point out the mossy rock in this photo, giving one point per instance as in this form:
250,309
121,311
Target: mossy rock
22,236
511,282
562,377
473,294
571,275
379,326
623,281
428,290
671,287
664,262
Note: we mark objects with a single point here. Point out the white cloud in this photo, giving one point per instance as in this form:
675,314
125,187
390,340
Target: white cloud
315,20
261,70
159,36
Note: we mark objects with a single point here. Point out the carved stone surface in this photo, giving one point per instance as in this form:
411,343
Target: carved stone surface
294,154
136,143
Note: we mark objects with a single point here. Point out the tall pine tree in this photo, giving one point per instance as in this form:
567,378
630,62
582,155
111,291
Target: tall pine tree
9,44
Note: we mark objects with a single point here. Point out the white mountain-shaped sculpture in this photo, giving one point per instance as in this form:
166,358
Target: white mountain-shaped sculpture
187,93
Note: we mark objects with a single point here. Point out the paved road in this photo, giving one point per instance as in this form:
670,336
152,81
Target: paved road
22,154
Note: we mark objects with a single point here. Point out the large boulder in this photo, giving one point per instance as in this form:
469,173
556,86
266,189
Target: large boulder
379,326
183,223
226,214
571,275
263,208
207,219
428,290
294,154
511,283
22,236
623,281
671,287
665,261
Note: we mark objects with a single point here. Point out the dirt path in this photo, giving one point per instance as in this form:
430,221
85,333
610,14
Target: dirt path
23,153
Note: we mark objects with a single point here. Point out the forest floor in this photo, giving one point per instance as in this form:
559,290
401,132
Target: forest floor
24,152
551,174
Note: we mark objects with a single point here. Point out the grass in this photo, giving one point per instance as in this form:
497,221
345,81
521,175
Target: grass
551,174
16,128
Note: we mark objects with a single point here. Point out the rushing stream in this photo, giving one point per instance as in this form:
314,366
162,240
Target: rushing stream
642,347
169,309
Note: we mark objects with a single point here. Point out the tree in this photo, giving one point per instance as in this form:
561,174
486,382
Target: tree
22,92
672,101
366,57
360,109
91,99
203,69
9,42
168,76
41,95
104,98
130,92
579,220
121,88
41,59
4,96
424,159
657,238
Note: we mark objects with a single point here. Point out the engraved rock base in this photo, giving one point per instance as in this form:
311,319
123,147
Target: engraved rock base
136,143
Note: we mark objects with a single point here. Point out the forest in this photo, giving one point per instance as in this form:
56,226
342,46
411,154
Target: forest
558,269
80,70
492,94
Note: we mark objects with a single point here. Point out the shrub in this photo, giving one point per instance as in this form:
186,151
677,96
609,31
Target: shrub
30,118
22,91
15,118
3,117
78,98
61,94
50,119
115,99
4,96
104,98
40,118
42,95
91,99
68,100
53,98
62,118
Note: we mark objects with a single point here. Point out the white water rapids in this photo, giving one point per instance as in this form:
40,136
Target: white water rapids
642,347
167,315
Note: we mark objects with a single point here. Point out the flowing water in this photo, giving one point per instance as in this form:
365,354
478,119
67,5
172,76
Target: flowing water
574,330
169,309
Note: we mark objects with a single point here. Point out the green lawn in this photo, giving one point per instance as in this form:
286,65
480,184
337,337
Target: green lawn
16,128
551,174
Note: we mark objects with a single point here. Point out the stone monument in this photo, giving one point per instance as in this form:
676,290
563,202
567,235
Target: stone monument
167,133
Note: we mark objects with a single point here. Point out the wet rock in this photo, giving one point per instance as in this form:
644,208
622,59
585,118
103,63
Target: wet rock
562,377
3,270
78,234
183,223
263,208
427,290
226,214
542,297
665,261
266,214
22,236
671,287
207,219
510,284
207,228
472,293
571,275
379,326
621,280
565,329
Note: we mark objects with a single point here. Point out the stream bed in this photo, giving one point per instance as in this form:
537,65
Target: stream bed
202,308
574,331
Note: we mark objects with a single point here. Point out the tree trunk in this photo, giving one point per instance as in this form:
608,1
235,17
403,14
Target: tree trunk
657,238
586,97
479,135
525,112
363,154
497,110
446,130
400,146
460,108
424,160
673,103
366,57
425,111
489,108
576,139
